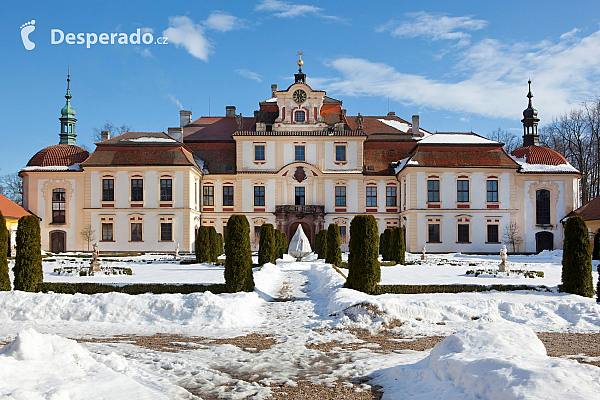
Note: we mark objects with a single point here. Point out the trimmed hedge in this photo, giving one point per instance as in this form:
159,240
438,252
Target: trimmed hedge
577,260
321,244
334,250
203,246
238,255
4,245
28,261
423,289
363,261
267,250
154,288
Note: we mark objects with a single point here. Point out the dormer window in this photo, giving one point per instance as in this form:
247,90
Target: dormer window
299,116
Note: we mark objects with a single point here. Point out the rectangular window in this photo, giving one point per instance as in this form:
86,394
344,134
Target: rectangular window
166,232
343,233
107,232
492,191
166,191
492,234
299,196
433,231
299,116
340,196
259,196
58,206
391,199
208,195
299,153
259,152
136,232
463,233
137,190
433,191
462,191
108,190
227,195
371,196
340,153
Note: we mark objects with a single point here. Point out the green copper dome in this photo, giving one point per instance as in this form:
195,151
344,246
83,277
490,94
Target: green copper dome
68,111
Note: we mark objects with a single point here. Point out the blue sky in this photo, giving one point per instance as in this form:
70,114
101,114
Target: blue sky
461,66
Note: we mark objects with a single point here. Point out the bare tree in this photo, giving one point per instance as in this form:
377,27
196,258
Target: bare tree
512,237
113,129
11,186
88,235
510,140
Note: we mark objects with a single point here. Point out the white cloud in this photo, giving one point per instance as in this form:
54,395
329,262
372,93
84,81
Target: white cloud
223,22
489,78
144,52
436,26
283,9
248,74
182,31
174,100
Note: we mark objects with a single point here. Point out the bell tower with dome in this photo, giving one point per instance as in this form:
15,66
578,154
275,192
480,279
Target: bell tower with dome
67,118
530,123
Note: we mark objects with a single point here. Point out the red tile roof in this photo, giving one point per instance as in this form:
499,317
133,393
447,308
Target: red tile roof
462,156
539,155
589,211
10,209
380,155
58,155
218,129
217,156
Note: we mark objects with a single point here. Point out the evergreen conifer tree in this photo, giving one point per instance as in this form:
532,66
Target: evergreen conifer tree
28,261
4,243
384,244
395,245
321,244
334,250
596,254
577,260
215,247
220,242
282,245
267,245
364,272
238,255
203,247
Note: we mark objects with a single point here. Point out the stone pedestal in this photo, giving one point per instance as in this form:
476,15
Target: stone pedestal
95,266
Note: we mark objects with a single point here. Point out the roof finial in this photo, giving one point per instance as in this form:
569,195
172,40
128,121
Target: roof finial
68,95
530,95
300,62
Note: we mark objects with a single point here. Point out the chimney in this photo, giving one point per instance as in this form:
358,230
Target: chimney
230,111
273,89
104,135
415,126
176,133
391,113
185,118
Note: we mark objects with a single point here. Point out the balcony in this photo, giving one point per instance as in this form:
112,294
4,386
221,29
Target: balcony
293,209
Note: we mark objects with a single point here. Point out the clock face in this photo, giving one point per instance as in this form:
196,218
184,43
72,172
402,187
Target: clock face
299,96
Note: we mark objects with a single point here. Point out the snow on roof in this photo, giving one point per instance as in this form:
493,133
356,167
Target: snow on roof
200,163
402,163
401,126
148,139
456,138
74,167
271,100
543,168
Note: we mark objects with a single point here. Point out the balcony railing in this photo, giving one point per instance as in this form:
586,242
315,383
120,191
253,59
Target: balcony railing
293,209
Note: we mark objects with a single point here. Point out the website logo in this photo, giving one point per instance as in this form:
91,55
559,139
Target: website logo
26,29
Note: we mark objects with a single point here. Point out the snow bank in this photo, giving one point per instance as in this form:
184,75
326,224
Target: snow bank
130,313
491,361
38,366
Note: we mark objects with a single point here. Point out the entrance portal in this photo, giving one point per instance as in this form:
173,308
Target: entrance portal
57,242
544,241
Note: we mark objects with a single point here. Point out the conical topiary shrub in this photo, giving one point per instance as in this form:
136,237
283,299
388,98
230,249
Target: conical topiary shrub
364,272
321,244
384,244
267,251
215,246
203,247
4,243
28,261
334,250
577,260
282,244
238,255
395,245
596,253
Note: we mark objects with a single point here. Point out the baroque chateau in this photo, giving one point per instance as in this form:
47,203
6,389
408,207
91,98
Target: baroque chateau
300,160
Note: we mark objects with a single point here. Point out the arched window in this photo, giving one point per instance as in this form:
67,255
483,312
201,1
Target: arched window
58,206
542,207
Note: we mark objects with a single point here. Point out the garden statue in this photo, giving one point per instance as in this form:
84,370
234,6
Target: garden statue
503,266
424,250
299,245
177,252
95,264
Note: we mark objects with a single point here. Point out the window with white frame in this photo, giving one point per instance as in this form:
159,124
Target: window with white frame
371,196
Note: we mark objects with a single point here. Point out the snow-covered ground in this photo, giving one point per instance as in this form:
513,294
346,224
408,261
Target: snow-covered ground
492,351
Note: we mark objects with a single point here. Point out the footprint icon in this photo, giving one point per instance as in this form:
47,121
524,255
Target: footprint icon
26,29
